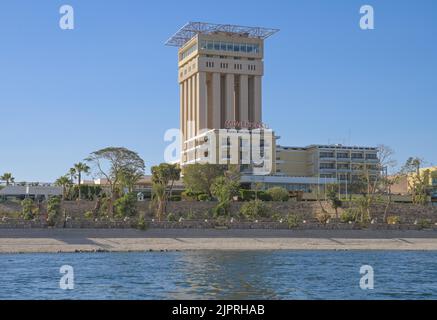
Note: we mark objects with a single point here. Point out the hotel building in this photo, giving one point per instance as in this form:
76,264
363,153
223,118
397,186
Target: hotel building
220,83
220,70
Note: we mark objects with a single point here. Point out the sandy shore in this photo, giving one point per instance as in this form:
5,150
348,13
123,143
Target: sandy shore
118,240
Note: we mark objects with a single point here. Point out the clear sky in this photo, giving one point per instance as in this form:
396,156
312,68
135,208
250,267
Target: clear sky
112,82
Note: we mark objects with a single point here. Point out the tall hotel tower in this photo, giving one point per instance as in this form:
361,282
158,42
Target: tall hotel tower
220,76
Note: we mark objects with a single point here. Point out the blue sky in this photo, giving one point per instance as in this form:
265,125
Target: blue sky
112,82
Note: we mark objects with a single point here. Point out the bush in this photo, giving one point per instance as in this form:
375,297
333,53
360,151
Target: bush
221,209
89,214
264,196
28,209
125,206
142,223
424,223
254,209
175,198
293,221
190,196
203,197
171,217
278,194
190,215
88,192
247,195
393,220
323,217
347,216
53,210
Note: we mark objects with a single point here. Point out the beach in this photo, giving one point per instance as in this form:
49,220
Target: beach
125,240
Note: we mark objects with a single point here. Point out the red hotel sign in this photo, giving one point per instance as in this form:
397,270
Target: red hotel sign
233,124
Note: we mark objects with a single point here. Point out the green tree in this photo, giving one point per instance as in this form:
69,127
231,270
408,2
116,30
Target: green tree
224,189
387,163
65,183
278,194
159,199
128,178
7,178
418,182
53,210
198,178
72,173
163,179
109,164
254,209
332,195
125,206
80,168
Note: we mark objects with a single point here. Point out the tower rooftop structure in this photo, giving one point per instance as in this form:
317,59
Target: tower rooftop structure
191,29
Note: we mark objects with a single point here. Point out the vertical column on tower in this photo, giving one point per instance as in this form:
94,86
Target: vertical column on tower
257,99
230,97
190,109
182,116
244,99
202,103
216,93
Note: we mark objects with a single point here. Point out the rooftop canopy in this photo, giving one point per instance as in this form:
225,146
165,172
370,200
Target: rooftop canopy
189,30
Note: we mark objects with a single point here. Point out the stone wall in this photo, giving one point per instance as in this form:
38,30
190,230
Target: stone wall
198,212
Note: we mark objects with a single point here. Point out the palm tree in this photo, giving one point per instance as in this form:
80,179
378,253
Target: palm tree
63,182
72,174
79,169
7,177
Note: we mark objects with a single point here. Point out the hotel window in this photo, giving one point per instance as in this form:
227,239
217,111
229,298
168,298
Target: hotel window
326,155
216,45
326,166
357,156
372,156
342,155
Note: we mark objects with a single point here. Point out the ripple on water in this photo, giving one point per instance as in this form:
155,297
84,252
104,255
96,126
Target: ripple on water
221,275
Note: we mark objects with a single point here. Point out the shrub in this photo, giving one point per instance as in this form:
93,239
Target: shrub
323,217
89,214
28,209
53,210
221,209
347,216
254,209
424,223
175,198
189,195
125,206
264,196
142,223
190,215
278,194
293,220
247,195
203,197
393,220
171,217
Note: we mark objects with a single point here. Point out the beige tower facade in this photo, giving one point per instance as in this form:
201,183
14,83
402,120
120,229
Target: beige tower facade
220,69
